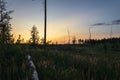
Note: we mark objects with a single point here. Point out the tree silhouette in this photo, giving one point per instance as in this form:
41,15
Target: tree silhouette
34,35
45,21
5,27
19,39
80,41
74,40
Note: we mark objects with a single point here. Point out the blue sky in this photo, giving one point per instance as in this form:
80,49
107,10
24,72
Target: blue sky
77,15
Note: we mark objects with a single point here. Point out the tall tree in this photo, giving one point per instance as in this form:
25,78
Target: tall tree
5,27
34,35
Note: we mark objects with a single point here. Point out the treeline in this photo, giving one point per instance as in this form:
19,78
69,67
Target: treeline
95,41
101,41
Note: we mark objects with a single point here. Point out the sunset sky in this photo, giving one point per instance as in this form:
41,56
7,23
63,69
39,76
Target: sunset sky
75,15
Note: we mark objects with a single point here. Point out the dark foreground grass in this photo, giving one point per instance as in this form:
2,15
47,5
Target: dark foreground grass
68,66
60,63
13,63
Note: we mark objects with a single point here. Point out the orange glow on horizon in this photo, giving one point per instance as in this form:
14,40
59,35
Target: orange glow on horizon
64,39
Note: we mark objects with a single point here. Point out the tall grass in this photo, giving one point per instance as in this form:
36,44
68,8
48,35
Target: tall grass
79,65
12,63
60,63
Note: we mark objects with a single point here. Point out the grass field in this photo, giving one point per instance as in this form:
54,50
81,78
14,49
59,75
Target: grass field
61,62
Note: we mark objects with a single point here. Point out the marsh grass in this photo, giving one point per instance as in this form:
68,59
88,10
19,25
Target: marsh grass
60,62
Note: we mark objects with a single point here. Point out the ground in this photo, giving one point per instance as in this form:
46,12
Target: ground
61,62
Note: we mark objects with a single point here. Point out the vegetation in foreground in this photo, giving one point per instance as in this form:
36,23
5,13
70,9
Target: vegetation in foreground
61,62
95,60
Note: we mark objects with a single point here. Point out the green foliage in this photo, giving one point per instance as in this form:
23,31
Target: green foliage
83,64
5,27
12,63
34,35
65,62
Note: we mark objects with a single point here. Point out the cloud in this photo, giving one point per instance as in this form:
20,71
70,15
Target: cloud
116,22
99,24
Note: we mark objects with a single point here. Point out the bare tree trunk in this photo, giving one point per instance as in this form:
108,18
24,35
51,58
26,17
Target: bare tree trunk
45,22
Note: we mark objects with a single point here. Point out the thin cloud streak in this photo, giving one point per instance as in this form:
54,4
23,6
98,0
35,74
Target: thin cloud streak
99,24
114,22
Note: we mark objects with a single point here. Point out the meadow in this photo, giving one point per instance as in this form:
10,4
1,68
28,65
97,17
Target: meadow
61,62
89,59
